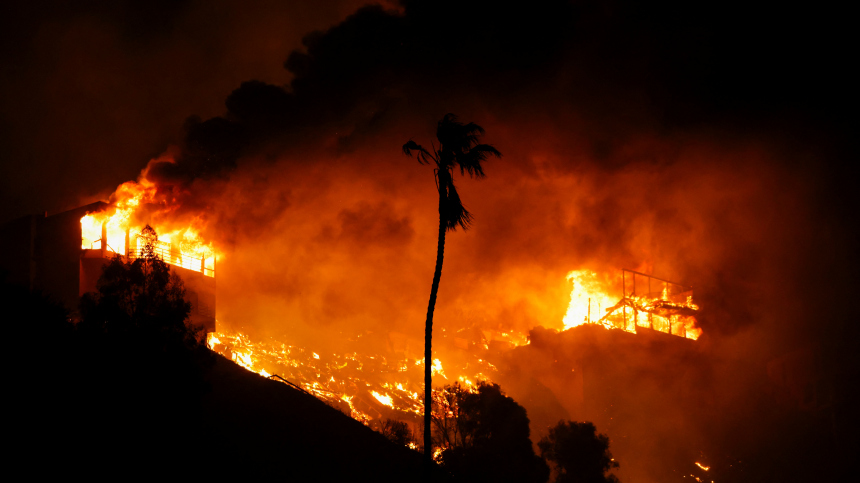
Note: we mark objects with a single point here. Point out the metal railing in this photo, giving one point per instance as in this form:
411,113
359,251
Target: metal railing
664,287
172,257
665,294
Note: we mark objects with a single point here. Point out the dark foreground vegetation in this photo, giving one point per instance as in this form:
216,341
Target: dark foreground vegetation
128,389
128,392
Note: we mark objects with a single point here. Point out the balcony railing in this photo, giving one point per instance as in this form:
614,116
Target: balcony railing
172,257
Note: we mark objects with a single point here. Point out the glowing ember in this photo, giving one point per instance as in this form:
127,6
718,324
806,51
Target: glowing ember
437,368
383,398
369,385
700,465
437,454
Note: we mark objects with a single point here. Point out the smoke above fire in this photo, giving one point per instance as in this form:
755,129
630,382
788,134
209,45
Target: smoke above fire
347,240
323,227
325,223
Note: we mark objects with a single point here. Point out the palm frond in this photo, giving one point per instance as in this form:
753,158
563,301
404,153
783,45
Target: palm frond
458,146
455,136
422,154
455,213
471,160
472,132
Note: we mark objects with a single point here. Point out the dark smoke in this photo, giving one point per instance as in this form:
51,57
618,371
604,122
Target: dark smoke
91,90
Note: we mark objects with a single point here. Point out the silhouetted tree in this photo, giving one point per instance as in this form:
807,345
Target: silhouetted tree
448,419
140,359
579,454
485,436
458,147
397,432
142,298
121,388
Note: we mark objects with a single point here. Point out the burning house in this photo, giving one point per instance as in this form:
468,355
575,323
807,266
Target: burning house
63,255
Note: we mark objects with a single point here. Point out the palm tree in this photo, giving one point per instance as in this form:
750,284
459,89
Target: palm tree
458,146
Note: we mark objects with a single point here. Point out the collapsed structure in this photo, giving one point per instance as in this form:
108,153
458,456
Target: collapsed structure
656,304
62,255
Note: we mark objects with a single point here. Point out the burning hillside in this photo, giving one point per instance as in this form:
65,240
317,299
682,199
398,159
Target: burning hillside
371,386
387,385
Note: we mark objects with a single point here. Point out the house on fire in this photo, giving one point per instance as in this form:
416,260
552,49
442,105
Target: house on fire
48,253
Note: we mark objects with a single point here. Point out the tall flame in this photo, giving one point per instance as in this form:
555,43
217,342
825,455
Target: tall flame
588,296
602,300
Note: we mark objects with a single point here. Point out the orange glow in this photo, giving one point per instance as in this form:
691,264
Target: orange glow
120,223
437,454
359,380
700,465
362,380
437,368
383,398
600,300
589,295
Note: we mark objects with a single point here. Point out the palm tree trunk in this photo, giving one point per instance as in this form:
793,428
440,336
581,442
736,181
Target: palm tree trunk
428,338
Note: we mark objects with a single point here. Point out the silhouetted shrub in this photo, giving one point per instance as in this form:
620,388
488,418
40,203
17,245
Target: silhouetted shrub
579,454
397,432
485,436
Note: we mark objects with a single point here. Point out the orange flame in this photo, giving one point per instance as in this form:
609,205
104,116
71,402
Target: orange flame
116,230
338,378
598,300
383,398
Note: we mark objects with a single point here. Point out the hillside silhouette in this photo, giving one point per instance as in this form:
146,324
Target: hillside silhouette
89,404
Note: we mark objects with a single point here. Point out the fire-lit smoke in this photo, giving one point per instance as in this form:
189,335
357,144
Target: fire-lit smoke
329,247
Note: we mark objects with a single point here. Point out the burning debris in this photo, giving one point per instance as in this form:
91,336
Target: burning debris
367,387
663,306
